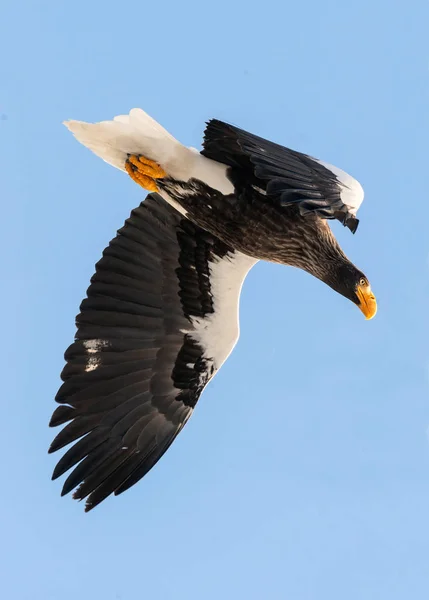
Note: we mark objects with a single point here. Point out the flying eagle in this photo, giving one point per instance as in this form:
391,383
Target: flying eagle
161,312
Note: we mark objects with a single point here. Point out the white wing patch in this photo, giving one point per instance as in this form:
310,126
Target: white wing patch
218,332
94,346
92,364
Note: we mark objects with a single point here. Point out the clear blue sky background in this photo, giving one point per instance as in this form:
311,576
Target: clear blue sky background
304,472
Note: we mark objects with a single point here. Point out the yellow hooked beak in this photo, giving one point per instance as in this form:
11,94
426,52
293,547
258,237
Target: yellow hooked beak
367,301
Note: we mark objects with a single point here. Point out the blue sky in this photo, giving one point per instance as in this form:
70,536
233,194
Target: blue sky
304,472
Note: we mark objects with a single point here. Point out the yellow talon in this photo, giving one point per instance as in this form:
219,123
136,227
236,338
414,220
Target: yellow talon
144,171
146,182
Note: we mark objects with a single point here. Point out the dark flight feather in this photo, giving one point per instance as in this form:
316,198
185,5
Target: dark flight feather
288,177
128,390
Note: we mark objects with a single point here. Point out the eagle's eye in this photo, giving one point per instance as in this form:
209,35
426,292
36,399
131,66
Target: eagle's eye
362,281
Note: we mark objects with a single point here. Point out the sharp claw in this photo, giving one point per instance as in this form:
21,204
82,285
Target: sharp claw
151,168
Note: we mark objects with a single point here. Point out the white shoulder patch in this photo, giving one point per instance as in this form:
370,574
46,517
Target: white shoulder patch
352,193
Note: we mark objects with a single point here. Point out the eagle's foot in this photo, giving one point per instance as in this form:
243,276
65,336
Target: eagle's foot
144,171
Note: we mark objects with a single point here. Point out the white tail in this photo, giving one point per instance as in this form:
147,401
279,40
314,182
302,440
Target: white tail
138,133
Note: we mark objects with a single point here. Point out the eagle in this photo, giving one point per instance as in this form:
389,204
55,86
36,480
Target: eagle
161,313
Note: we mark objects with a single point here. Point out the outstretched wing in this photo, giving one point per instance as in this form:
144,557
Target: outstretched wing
290,177
159,319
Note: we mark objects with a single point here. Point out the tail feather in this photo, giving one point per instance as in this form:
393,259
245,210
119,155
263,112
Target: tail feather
135,133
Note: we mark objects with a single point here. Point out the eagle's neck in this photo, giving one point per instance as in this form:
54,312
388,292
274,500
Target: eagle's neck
312,247
316,251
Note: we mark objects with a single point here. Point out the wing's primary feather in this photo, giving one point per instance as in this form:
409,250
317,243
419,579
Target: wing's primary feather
135,370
